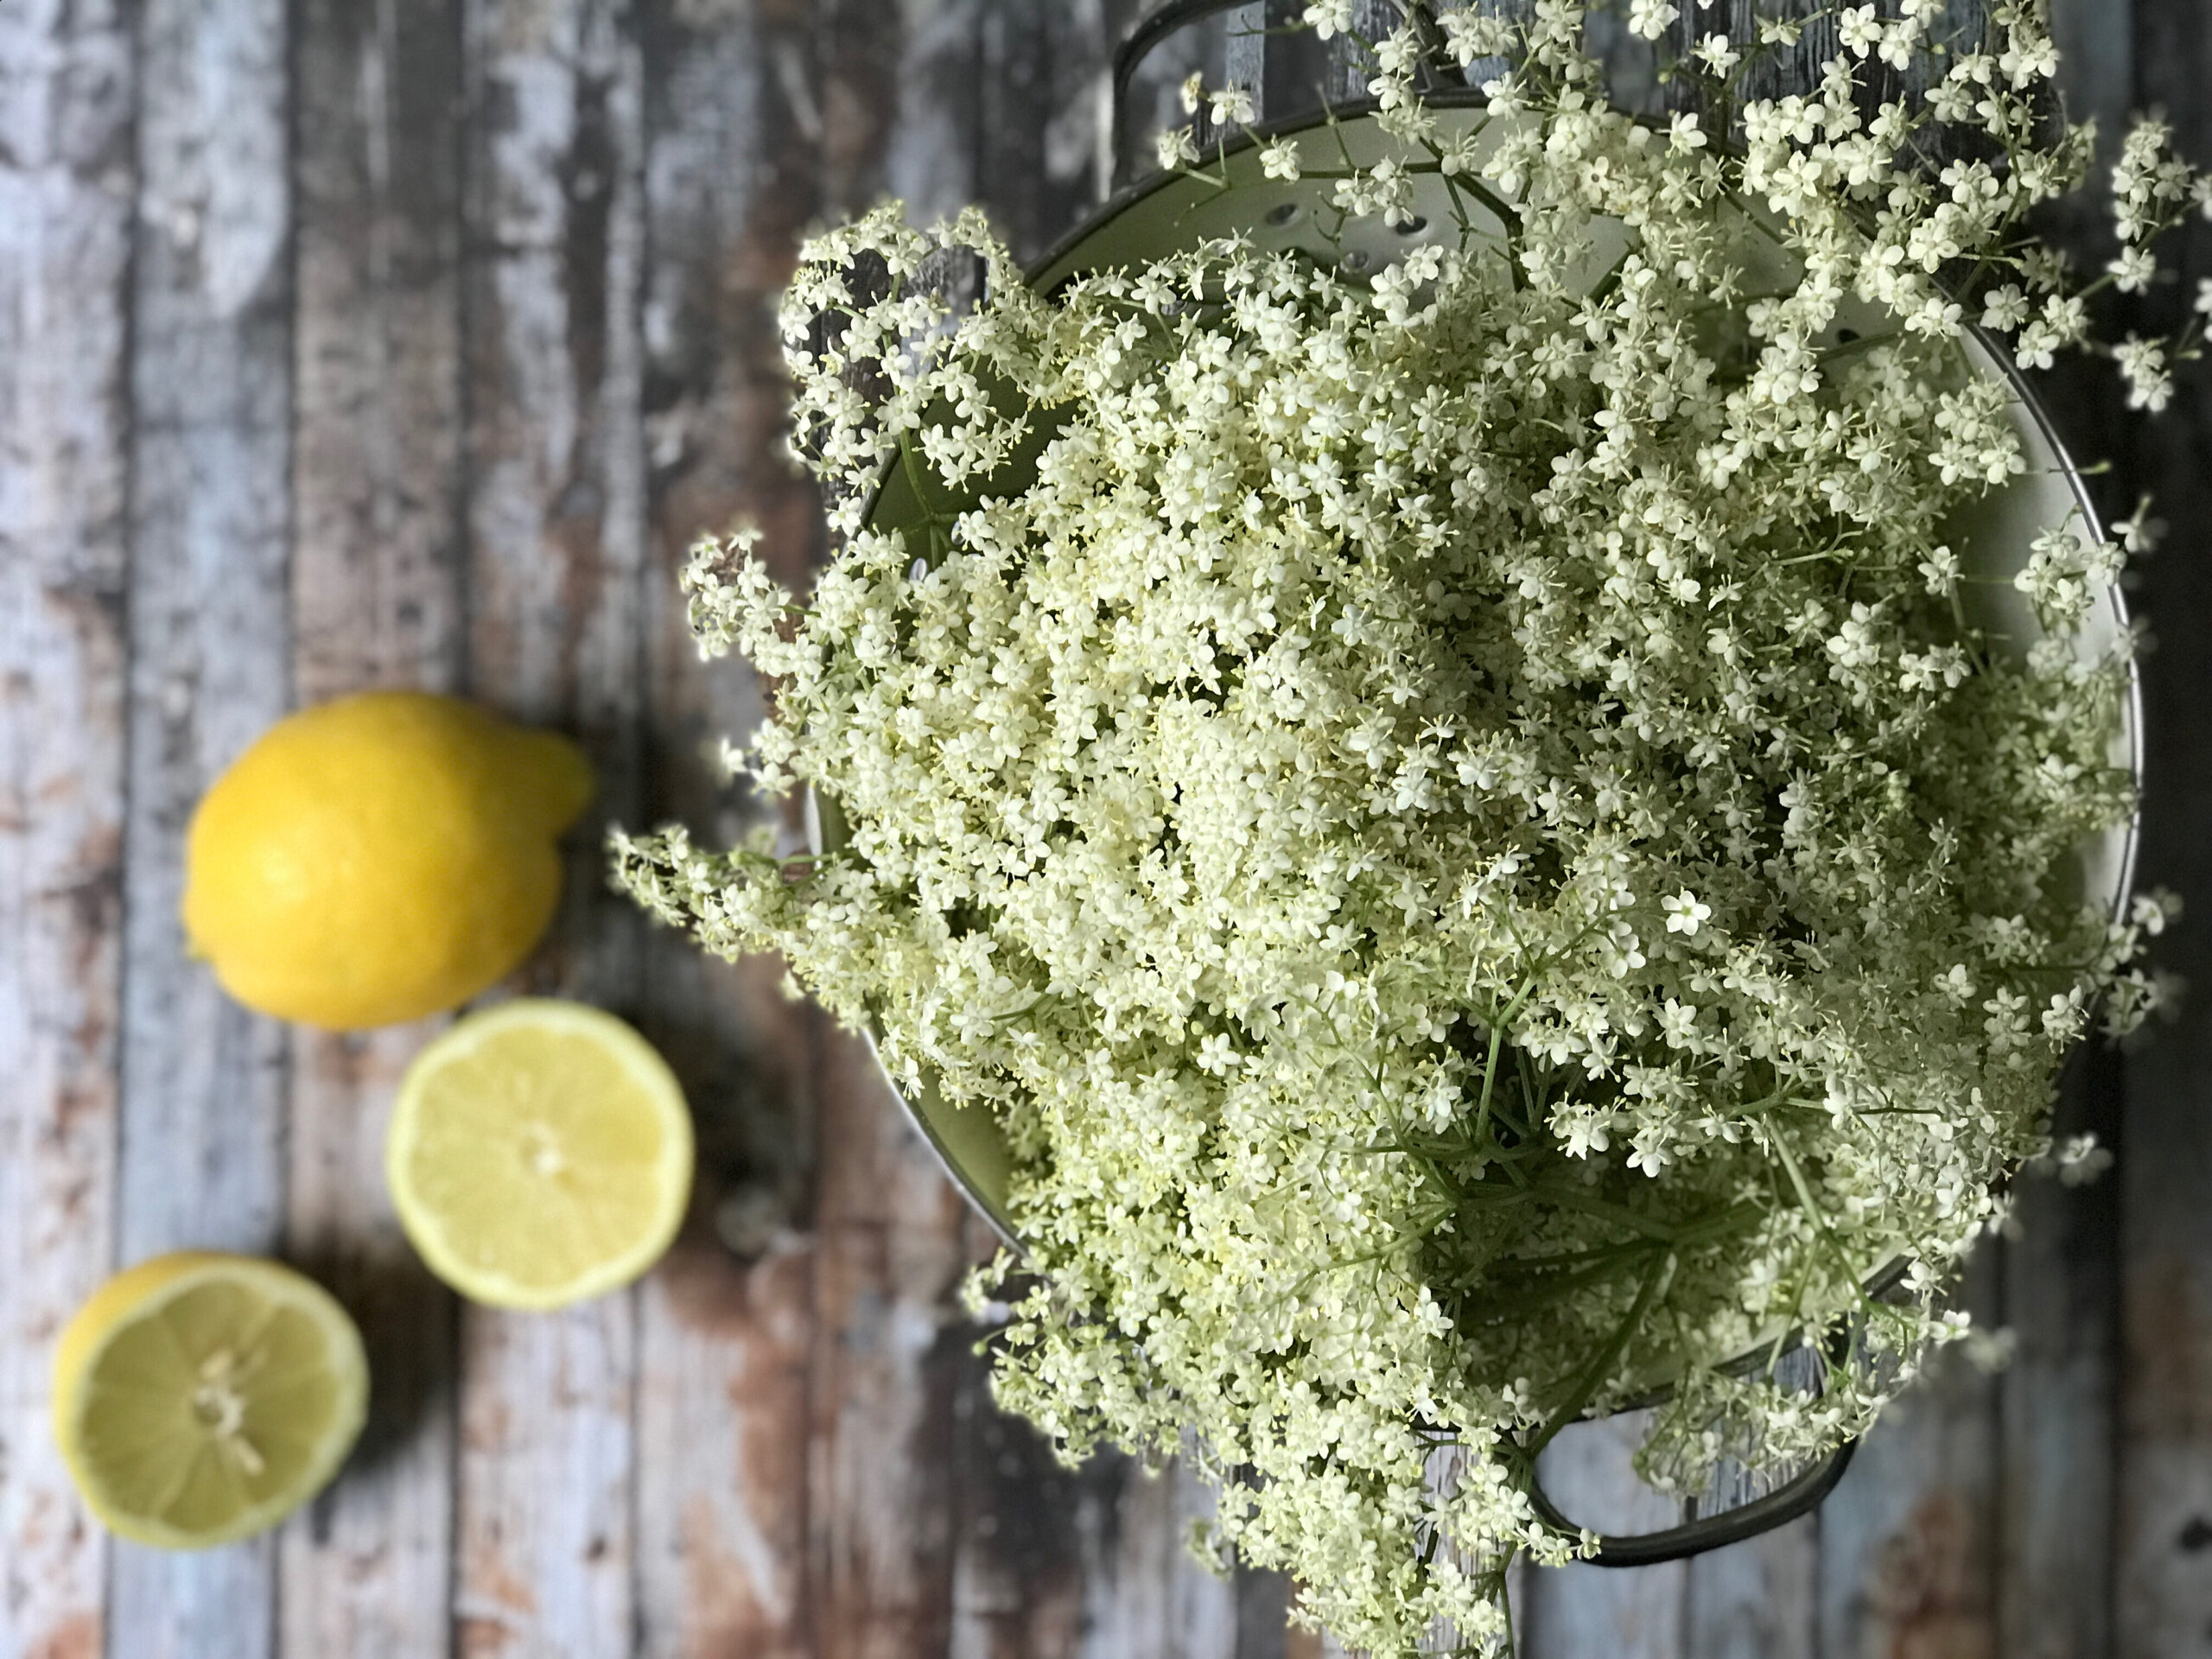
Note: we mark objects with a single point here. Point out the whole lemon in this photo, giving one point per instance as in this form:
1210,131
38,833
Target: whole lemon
380,858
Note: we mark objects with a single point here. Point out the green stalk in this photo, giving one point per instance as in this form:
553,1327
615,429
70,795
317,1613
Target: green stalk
1586,1384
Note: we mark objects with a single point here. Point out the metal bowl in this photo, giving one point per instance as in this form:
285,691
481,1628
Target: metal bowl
1165,213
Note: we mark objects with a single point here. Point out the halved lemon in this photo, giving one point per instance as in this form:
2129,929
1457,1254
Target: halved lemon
540,1154
199,1397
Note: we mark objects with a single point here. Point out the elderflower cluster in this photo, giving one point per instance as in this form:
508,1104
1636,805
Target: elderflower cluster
1457,820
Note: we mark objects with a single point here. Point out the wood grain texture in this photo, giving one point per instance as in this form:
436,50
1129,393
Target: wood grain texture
66,198
890,1249
2163,1581
726,1323
376,600
202,1152
1627,1613
1755,1600
2055,1399
1908,1541
1145,1590
554,228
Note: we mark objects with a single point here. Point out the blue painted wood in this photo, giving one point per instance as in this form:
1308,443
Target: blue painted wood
1625,1614
209,617
377,598
202,1149
66,107
556,500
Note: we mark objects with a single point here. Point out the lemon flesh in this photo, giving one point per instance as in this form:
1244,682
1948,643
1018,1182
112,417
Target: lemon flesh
380,858
540,1153
199,1398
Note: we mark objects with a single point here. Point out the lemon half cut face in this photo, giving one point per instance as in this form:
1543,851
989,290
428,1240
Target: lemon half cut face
199,1397
540,1154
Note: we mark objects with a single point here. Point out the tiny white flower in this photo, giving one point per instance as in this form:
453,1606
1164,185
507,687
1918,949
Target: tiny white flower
1716,55
1685,913
2143,366
1231,105
1860,30
2140,532
1328,18
2004,309
2132,269
1279,159
1217,1054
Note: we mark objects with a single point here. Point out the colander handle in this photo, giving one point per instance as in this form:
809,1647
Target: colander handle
1152,29
1693,1537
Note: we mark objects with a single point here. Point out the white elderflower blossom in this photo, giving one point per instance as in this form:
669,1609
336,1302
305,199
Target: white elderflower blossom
1470,35
1716,55
2081,1159
1860,30
1231,105
2143,366
1328,17
1436,807
2133,269
2140,533
2004,308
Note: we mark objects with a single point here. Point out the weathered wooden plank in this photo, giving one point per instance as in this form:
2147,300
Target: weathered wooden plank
1033,1537
202,1139
929,72
1044,74
2055,1399
1578,1612
725,1325
723,1494
1755,1600
1263,1601
1002,103
891,1248
1908,1540
554,233
377,581
376,599
1148,1594
2162,1587
65,186
935,1525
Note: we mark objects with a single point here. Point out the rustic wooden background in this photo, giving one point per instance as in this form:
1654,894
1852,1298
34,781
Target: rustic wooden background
354,342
